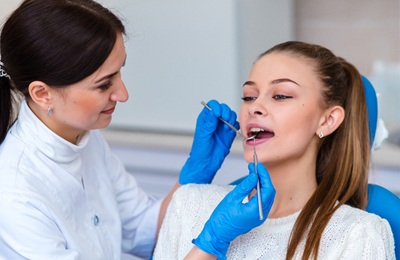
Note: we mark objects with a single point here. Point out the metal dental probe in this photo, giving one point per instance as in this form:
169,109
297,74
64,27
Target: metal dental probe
254,157
260,212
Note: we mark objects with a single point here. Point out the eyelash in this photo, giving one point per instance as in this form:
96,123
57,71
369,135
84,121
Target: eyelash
276,97
281,97
248,99
105,86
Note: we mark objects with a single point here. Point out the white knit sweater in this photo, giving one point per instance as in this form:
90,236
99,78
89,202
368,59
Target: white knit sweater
350,234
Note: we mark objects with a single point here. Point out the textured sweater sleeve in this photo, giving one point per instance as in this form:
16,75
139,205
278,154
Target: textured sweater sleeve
189,209
371,240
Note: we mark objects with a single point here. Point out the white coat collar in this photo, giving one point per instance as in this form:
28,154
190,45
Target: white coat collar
34,133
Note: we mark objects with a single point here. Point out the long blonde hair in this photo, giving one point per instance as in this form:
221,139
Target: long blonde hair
344,156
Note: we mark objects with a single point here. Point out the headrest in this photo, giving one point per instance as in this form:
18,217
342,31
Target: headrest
372,106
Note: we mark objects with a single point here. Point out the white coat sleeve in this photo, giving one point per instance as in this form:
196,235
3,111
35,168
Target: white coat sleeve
27,232
138,211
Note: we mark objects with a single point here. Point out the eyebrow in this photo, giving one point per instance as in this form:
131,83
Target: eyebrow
277,81
273,82
110,75
106,77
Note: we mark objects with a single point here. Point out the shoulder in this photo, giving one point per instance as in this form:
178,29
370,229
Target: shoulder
354,228
11,150
15,158
359,222
357,218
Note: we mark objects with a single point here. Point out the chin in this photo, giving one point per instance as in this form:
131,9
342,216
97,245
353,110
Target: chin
248,156
105,126
101,125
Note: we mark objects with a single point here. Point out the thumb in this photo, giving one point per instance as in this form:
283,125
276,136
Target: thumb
244,187
263,174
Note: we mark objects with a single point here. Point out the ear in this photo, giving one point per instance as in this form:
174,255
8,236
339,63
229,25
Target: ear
330,121
41,94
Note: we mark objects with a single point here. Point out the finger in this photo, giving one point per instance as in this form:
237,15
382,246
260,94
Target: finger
224,112
250,166
244,188
215,107
263,174
227,113
236,125
207,122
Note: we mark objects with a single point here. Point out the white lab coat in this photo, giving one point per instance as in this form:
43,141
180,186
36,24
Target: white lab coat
64,201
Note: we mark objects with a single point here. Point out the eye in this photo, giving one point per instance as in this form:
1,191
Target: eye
248,99
105,86
281,97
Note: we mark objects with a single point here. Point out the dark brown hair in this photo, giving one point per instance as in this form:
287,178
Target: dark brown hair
59,42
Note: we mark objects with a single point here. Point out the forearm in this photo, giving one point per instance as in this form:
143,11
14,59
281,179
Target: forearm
164,205
197,254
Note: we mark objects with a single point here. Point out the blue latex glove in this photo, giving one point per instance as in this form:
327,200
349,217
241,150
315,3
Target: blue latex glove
232,218
211,144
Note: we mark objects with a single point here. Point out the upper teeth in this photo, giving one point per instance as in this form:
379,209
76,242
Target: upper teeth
256,130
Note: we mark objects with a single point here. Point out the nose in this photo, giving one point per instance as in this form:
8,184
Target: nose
120,93
255,109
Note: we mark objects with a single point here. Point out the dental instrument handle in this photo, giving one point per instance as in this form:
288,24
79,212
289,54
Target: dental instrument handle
258,183
224,121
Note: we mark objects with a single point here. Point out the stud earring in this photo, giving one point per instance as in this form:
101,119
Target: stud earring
49,111
321,135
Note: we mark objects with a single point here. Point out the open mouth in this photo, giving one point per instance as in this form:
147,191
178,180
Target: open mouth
260,133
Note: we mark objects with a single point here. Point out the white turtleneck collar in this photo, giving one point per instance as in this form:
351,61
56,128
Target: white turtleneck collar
32,130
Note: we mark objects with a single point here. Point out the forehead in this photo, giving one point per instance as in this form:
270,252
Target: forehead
114,61
111,65
284,65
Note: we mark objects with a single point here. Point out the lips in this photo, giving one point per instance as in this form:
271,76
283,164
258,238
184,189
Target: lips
262,133
108,111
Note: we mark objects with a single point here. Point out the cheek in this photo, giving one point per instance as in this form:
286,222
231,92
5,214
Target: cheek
242,116
313,116
305,122
83,109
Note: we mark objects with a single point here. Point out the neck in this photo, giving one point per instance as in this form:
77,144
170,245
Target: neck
57,127
294,185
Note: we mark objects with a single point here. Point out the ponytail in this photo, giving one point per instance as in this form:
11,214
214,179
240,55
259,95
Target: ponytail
342,166
6,106
344,156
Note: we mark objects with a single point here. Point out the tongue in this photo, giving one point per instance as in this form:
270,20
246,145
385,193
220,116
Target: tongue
265,135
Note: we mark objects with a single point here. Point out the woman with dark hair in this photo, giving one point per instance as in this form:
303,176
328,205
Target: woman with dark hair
63,194
309,109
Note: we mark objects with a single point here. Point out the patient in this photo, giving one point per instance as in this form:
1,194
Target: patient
310,108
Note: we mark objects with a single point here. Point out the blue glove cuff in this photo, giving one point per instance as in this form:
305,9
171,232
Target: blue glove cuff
209,243
198,172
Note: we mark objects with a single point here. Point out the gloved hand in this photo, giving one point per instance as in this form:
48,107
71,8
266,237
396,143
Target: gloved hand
211,144
232,218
